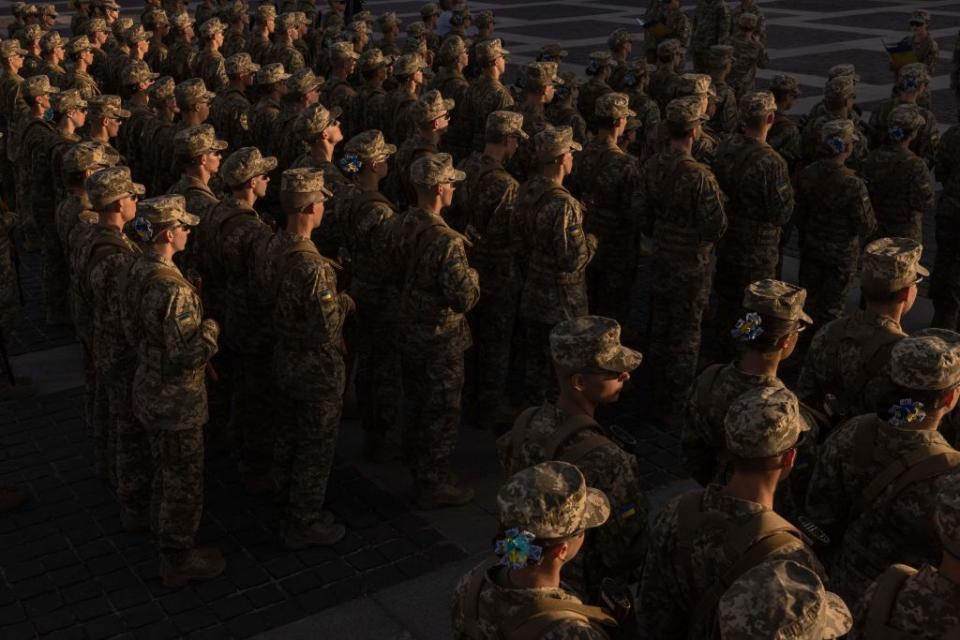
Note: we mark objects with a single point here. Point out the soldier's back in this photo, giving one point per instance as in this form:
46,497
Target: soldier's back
918,604
900,191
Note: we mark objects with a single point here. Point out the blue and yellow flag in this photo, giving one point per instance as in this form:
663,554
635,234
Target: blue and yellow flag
657,26
901,53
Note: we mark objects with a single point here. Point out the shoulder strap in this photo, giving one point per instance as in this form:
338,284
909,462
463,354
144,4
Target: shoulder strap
101,248
706,381
520,427
863,442
471,603
877,349
926,462
372,197
534,620
571,426
882,603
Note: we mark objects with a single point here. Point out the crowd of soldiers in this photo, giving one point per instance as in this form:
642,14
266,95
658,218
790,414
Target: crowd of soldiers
242,224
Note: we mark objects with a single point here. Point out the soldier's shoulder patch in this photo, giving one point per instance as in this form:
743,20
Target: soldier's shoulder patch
326,295
243,121
184,315
575,230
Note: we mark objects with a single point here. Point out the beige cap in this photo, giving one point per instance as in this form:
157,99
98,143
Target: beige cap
192,92
244,164
757,103
302,187
157,213
369,145
106,106
430,106
239,64
435,168
506,123
109,185
342,52
685,111
552,142
614,105
927,361
763,422
785,84
777,299
38,86
489,50
891,264
271,74
312,121
137,71
69,100
374,59
591,344
193,141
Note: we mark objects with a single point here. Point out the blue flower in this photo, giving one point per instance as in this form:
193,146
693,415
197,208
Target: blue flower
630,80
748,328
906,412
516,549
594,68
896,134
837,144
350,164
143,229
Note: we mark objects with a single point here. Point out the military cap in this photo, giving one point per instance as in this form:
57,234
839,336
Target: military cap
212,27
48,10
314,119
369,145
762,422
837,135
266,12
69,100
17,8
388,20
686,110
343,51
50,41
600,59
192,92
109,185
106,106
484,19
358,27
920,16
10,48
302,82
87,155
890,264
843,69
38,86
618,38
76,45
719,55
136,34
374,59
107,4
435,168
271,73
570,80
96,25
451,49
163,89
181,20
415,45
119,26
301,18
364,16
160,213
591,344
196,140
233,11
430,106
757,103
30,34
555,141
669,47
902,120
785,84
551,500
552,52
947,514
245,163
695,84
614,105
929,360
489,50
781,599
776,299
137,71
408,64
748,21
417,30
302,187
460,15
840,88
429,10
240,63
506,123
154,17
911,76
287,21
539,75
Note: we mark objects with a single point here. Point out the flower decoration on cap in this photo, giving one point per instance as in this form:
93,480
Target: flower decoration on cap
896,134
837,144
143,229
351,164
906,412
630,79
516,549
594,68
748,328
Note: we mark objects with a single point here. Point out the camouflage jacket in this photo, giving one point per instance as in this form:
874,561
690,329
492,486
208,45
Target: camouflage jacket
738,11
900,190
590,92
784,137
32,165
111,254
287,55
395,114
128,140
928,137
84,83
605,179
329,236
179,62
370,108
362,218
833,213
208,65
397,185
263,122
234,41
726,119
230,116
568,116
711,24
924,608
490,199
749,54
200,202
663,83
55,72
483,96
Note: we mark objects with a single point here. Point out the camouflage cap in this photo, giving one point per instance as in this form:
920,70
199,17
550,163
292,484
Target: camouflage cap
137,71
619,38
212,27
369,145
239,64
162,89
912,76
17,8
136,34
890,264
106,106
685,111
158,213
614,105
460,15
785,84
929,360
265,13
429,10
551,500
30,10
757,103
30,34
38,86
781,599
408,64
430,106
50,41
314,119
904,119
552,142
415,45
69,100
837,135
120,26
591,344
192,92
243,164
417,30
271,73
748,21
109,185
302,187
286,21
552,52
10,48
539,75
75,46
388,20
762,422
489,50
484,19
154,17
181,20
374,59
303,82
669,47
342,52
107,4
301,19
840,88
719,55
87,155
602,59
96,25
506,123
356,28
364,16
776,299
193,141
920,16
695,84
451,49
435,168
570,79
48,10
947,514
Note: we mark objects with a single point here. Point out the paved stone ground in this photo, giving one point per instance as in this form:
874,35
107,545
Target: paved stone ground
66,570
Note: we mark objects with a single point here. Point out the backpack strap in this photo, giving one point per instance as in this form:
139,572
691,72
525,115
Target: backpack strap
884,599
924,463
570,427
878,350
103,247
705,382
864,440
534,620
471,603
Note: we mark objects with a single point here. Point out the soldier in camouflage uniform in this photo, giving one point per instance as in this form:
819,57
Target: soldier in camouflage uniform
749,6
838,96
182,52
592,368
209,63
258,40
757,181
453,58
620,44
437,288
338,93
54,53
913,83
835,218
308,358
157,22
163,104
283,49
726,118
80,52
174,342
945,282
430,15
30,41
558,252
868,489
485,95
665,22
12,105
918,603
749,54
599,72
848,357
389,25
782,599
229,111
605,179
768,334
408,73
898,180
682,209
925,48
135,82
374,68
711,24
698,88
271,83
698,546
562,112
539,81
99,35
193,101
234,15
784,135
430,116
544,511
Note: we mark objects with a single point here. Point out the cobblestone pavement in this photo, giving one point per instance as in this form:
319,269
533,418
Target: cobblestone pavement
66,568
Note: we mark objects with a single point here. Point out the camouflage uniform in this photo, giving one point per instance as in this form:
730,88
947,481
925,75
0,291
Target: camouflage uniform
894,523
284,52
711,24
726,117
78,79
400,187
209,64
558,252
945,282
550,500
450,82
48,42
12,107
683,211
834,217
484,96
749,6
372,94
913,78
618,547
181,54
663,80
601,65
230,110
128,139
749,54
784,135
837,91
264,114
338,93
689,557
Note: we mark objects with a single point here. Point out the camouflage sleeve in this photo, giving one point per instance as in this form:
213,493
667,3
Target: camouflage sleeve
189,340
920,197
697,451
930,139
778,192
458,281
864,217
659,604
933,54
710,217
827,502
324,308
572,247
729,117
809,389
944,157
860,612
221,75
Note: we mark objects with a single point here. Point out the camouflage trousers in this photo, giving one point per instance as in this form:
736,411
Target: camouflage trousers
56,277
176,503
541,379
492,323
432,386
827,276
104,434
134,466
378,366
945,279
610,277
7,179
254,422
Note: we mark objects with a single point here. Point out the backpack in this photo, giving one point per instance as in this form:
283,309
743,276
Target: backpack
571,426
